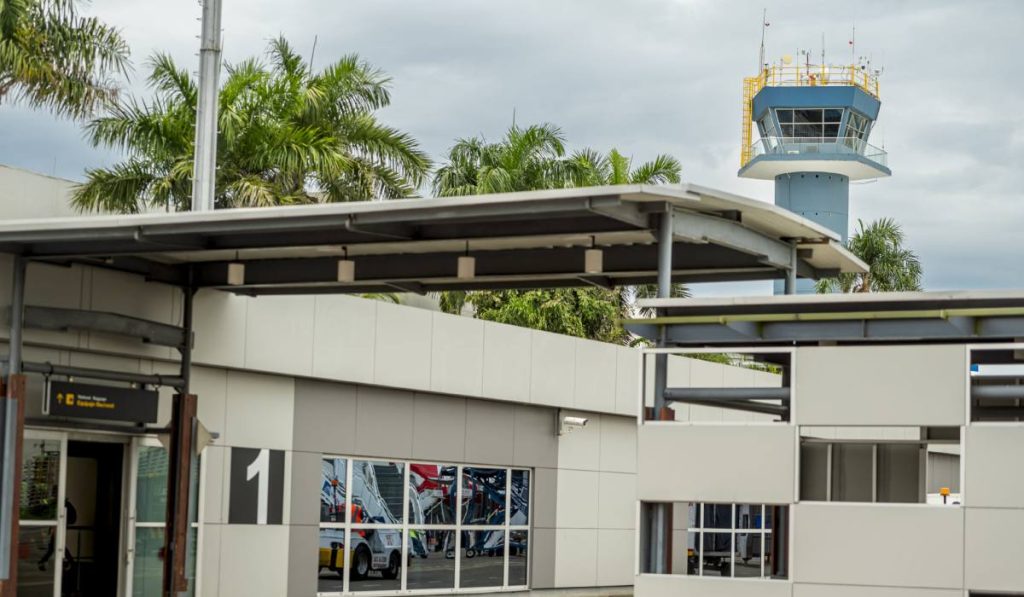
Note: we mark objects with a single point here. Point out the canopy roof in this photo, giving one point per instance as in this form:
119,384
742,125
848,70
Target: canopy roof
519,240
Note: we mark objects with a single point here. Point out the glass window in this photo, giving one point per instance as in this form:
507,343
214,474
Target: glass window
40,471
520,497
482,559
732,540
151,499
808,131
36,568
490,548
377,492
518,558
784,116
808,116
376,560
332,489
431,559
432,493
483,496
148,568
835,116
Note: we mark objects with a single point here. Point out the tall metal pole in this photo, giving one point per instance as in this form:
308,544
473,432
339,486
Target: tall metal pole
9,425
660,514
204,169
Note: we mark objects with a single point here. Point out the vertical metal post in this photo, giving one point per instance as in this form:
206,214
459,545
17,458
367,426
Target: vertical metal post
204,168
660,537
791,271
188,295
10,427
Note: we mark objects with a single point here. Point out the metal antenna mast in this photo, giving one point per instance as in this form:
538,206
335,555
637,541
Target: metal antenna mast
204,169
764,25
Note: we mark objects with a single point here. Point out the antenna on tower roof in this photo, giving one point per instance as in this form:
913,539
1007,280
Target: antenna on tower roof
764,25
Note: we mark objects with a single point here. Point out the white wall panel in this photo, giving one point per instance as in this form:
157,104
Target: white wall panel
650,585
403,349
127,294
576,557
627,380
618,444
259,411
881,385
211,388
219,322
879,545
552,375
994,549
616,501
246,571
725,463
615,557
507,362
344,338
577,499
279,334
457,360
808,590
994,455
595,369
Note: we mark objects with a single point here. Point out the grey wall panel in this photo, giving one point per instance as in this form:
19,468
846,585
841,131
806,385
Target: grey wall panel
439,427
881,385
807,590
742,463
536,442
384,422
878,545
489,432
303,542
325,417
650,585
545,497
995,549
304,487
542,573
994,455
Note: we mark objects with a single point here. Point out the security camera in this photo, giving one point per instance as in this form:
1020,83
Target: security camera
568,424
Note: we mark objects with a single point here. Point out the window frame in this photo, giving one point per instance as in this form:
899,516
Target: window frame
732,530
458,527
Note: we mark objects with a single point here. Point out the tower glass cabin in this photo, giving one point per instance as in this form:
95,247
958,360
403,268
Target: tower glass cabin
813,124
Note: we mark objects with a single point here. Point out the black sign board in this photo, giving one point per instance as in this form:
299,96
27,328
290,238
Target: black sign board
256,490
86,401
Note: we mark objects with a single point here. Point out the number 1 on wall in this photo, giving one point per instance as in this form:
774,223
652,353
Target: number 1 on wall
260,468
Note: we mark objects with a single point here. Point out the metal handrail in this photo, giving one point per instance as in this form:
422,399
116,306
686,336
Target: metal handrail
820,75
818,145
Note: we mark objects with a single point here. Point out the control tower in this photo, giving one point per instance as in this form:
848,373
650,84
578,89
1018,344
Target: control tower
813,123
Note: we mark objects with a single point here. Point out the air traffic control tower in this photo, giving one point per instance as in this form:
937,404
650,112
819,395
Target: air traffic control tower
814,122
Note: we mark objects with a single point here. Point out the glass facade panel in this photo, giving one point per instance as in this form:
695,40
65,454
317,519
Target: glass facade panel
40,473
151,499
434,496
482,561
717,554
332,489
808,116
332,561
432,493
431,559
784,116
378,492
518,558
520,498
808,131
148,567
376,560
483,496
36,560
748,555
835,116
717,516
749,516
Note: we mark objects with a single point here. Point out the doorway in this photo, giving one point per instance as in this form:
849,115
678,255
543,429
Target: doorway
107,539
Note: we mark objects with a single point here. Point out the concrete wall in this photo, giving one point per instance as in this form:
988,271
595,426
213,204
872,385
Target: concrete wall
25,194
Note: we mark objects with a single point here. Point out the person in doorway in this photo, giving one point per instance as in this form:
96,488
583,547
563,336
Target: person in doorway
71,515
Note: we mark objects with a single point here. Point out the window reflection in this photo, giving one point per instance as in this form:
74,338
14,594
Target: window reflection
482,559
432,493
520,497
40,470
376,560
483,496
377,492
431,559
518,557
332,490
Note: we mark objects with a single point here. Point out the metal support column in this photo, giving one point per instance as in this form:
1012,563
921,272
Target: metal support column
11,428
791,270
660,533
204,169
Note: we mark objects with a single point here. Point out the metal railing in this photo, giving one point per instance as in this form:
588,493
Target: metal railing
807,146
819,75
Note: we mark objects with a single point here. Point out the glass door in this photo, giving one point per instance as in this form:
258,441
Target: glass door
43,515
147,512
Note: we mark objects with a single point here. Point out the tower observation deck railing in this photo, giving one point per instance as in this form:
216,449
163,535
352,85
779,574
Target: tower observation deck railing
808,146
819,75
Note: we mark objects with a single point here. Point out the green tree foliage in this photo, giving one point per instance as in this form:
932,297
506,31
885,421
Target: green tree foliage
535,158
287,135
891,266
52,57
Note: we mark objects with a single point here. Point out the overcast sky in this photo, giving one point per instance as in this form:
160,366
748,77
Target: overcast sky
649,77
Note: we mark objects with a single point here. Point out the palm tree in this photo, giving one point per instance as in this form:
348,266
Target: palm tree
891,266
534,158
286,135
52,57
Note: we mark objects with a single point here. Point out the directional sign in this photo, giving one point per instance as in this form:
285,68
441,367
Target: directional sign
86,401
